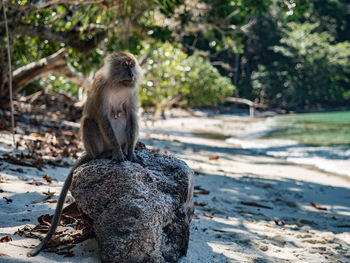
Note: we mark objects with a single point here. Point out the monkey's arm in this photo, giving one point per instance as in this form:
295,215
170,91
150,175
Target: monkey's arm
108,133
56,218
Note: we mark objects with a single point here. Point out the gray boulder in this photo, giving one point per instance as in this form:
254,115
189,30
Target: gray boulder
139,214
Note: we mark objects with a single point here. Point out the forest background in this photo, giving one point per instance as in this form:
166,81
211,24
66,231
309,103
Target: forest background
286,55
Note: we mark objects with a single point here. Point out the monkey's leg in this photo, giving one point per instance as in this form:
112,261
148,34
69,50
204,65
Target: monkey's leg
108,133
56,218
131,133
92,138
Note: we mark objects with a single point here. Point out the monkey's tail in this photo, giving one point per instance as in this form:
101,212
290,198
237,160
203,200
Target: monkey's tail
83,159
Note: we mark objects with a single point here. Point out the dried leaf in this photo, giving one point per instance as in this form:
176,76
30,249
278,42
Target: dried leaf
5,128
68,254
209,215
24,160
54,163
199,204
49,194
40,228
55,242
20,170
8,200
198,173
214,158
255,204
3,255
279,223
45,219
48,178
51,201
318,207
34,182
37,135
5,239
202,192
26,231
71,210
74,229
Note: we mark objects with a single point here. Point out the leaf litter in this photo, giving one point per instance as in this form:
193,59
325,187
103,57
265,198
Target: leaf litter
74,228
46,136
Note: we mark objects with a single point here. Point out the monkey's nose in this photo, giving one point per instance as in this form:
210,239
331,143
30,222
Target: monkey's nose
131,75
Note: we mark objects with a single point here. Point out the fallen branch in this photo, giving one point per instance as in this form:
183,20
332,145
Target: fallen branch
252,105
56,64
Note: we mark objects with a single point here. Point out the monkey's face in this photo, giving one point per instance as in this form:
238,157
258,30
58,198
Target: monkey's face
124,69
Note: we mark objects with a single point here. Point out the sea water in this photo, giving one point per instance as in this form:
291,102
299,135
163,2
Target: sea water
319,139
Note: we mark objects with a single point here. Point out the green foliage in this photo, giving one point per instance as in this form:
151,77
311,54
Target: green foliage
85,21
290,54
59,84
172,77
206,85
312,70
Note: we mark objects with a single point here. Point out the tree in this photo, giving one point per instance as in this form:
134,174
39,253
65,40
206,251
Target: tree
172,77
86,29
312,71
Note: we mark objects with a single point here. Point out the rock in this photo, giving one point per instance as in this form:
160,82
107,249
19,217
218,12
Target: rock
139,214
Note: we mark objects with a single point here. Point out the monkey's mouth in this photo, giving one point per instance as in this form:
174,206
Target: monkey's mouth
127,82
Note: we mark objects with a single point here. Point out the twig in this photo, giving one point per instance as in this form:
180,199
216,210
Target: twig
255,204
10,75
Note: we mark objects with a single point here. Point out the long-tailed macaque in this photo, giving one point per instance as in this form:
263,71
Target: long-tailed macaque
109,122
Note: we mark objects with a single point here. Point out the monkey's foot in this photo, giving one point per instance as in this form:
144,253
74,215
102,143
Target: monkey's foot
135,159
118,158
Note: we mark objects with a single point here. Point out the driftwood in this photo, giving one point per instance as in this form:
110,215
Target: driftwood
139,214
252,105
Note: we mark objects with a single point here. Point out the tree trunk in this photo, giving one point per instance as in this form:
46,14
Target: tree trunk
55,64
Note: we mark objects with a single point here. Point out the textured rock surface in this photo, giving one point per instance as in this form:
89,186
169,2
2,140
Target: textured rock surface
140,214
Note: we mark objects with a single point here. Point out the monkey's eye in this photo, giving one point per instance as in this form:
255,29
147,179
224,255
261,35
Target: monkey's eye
132,64
125,64
128,64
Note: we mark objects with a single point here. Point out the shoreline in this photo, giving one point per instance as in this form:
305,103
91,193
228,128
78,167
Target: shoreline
307,166
227,230
250,207
289,143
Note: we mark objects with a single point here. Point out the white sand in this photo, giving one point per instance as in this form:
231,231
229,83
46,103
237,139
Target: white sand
224,230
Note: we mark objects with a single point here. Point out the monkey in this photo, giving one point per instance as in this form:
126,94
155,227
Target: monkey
109,126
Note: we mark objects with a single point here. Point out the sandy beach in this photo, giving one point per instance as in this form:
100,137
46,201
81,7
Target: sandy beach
249,207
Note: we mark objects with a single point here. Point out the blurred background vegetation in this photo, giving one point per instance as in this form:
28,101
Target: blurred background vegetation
288,54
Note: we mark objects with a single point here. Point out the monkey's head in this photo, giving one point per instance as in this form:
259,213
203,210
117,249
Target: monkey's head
123,69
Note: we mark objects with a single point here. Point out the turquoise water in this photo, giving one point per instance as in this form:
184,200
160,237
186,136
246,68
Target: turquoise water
318,129
318,139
